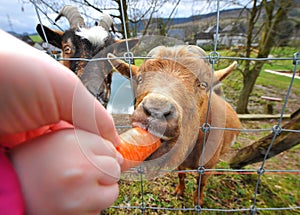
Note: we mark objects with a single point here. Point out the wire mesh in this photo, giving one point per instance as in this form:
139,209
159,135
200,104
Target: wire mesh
261,171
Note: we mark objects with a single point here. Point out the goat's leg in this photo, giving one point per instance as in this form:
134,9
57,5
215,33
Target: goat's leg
200,200
179,190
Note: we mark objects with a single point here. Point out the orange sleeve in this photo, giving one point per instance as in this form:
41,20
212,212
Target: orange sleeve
12,140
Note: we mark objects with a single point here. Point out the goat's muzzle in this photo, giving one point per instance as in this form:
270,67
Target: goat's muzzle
159,115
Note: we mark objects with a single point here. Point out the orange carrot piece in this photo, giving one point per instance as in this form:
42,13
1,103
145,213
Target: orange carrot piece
136,145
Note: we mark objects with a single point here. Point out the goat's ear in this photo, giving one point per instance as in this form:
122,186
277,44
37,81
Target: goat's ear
121,46
223,73
54,37
122,67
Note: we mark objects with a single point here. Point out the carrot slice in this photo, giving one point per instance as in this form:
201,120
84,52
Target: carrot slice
136,145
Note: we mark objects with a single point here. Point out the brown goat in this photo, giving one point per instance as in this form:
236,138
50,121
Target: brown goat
172,98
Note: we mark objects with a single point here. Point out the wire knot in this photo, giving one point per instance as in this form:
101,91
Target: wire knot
201,170
198,208
296,57
214,57
140,170
253,210
129,57
205,127
261,171
276,129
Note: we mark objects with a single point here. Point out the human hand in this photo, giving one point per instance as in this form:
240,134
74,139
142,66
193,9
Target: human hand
58,178
36,90
38,93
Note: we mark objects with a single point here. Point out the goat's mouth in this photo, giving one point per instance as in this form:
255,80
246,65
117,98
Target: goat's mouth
152,131
162,122
167,140
162,131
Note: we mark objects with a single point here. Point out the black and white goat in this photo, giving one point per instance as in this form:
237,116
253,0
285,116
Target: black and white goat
81,42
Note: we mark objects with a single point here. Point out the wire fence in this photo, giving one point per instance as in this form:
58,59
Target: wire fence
276,129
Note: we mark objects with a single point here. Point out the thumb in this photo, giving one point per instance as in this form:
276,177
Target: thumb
36,90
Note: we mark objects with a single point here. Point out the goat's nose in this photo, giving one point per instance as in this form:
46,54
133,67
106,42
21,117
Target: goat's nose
159,108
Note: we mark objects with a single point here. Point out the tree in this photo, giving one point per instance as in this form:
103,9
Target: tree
275,12
47,7
127,13
256,151
123,13
284,35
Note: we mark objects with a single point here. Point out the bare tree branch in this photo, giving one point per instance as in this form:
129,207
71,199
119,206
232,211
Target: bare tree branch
171,14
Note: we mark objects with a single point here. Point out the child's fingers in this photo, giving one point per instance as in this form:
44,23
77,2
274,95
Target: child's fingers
104,197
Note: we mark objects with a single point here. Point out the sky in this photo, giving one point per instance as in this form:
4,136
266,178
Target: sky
13,19
22,18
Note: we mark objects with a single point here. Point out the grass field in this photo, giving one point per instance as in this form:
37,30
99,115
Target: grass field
230,191
36,38
223,191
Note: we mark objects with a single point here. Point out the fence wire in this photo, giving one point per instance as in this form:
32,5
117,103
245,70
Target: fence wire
276,129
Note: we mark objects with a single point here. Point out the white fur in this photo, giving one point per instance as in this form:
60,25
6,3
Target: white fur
96,35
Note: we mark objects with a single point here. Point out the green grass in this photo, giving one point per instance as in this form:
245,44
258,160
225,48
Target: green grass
138,62
281,65
36,38
277,81
284,51
223,191
267,84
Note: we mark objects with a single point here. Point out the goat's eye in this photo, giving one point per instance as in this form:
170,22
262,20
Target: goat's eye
203,85
67,50
139,79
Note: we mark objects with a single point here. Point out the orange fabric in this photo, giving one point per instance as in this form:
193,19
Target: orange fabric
12,140
11,200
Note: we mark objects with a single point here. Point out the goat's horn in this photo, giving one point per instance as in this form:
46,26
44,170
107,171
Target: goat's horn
106,22
223,73
73,16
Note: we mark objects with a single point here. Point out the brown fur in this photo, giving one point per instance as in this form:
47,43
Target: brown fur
172,103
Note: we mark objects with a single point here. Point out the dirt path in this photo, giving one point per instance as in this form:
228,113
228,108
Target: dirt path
290,75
